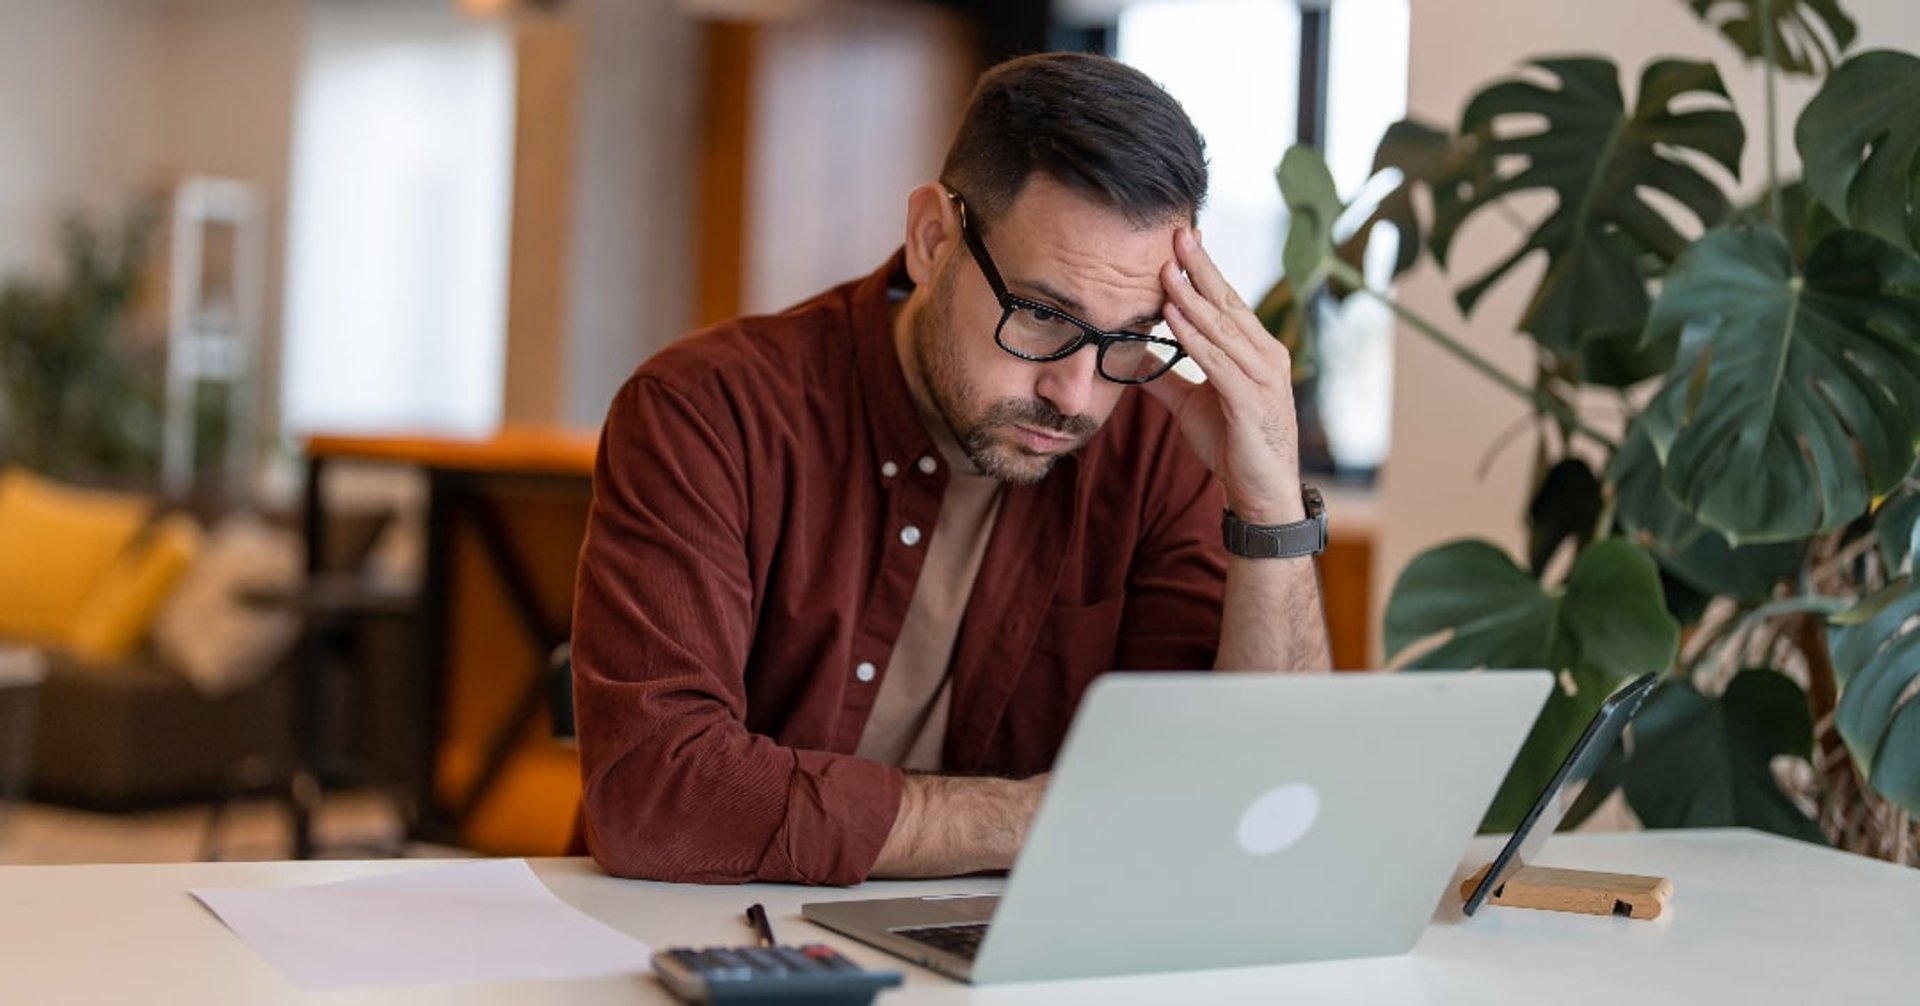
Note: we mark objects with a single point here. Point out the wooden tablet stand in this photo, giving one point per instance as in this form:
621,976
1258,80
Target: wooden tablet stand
1624,894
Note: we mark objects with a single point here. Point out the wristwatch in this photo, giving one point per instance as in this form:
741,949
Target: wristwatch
1279,541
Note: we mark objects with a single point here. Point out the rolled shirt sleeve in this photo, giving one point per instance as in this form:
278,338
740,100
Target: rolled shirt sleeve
676,785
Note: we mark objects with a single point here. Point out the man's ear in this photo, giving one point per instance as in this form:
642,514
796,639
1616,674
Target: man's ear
932,225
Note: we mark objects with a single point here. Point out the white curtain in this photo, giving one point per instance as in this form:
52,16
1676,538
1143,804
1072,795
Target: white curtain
398,224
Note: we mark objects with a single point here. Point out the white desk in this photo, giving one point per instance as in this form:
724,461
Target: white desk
1754,919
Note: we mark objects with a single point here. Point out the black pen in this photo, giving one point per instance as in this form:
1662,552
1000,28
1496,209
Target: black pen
757,917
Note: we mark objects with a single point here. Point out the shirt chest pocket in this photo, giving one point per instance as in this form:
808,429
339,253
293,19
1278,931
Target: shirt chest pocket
1074,644
1081,637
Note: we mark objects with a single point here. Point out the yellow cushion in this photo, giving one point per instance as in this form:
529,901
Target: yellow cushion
120,608
54,541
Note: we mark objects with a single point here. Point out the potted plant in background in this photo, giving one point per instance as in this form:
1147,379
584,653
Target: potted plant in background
77,401
1742,514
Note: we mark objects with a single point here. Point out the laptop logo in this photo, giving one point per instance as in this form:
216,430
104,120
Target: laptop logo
1278,818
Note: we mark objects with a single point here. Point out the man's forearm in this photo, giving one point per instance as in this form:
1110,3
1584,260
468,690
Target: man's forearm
1273,618
951,825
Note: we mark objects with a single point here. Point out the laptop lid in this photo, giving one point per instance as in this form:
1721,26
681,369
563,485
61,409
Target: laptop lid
1217,820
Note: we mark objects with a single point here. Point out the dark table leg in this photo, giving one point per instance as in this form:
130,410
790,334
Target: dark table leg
430,821
309,693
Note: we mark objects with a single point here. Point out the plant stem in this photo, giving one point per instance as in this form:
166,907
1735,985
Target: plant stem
1813,604
1707,642
1351,277
1823,696
1769,53
1825,569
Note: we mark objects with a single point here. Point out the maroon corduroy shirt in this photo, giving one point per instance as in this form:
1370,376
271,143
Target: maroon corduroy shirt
758,520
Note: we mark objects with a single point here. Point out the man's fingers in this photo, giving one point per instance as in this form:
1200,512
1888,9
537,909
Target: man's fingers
1214,359
1223,332
1218,306
1202,272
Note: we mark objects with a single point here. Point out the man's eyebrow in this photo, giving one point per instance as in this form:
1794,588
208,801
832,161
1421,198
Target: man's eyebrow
1073,306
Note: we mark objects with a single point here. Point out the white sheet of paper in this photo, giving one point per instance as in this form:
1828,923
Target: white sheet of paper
490,920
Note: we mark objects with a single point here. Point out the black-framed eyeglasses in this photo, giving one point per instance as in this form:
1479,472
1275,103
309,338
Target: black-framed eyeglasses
1042,333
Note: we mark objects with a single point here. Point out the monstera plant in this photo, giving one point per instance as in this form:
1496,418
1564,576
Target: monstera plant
1749,531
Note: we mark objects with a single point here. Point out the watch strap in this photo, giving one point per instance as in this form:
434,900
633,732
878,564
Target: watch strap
1278,541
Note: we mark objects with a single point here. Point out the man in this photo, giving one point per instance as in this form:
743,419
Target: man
850,568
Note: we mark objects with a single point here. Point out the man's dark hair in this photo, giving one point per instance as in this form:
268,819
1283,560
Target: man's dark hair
1093,124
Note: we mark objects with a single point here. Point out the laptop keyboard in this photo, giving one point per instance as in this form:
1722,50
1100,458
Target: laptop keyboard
962,940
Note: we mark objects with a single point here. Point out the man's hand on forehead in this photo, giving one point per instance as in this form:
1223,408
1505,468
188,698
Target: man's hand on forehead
1241,419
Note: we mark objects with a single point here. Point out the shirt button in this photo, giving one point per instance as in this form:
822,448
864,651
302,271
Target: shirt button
909,536
864,671
889,469
928,466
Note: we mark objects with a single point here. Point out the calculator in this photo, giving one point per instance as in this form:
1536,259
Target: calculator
811,975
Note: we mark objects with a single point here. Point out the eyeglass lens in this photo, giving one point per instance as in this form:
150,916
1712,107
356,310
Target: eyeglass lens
1039,334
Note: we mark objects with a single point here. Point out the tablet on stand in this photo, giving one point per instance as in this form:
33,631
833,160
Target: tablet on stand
1510,880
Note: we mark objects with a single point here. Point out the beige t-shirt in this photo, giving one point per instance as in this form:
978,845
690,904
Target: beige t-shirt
908,725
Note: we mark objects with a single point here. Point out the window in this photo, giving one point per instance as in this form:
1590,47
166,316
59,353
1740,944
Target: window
1230,64
1234,66
398,224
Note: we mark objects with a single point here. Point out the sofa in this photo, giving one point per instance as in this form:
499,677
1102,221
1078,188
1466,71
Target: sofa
169,636
132,733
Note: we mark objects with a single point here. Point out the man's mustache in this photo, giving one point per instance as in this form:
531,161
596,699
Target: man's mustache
1041,415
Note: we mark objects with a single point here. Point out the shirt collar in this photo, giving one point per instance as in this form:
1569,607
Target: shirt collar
893,423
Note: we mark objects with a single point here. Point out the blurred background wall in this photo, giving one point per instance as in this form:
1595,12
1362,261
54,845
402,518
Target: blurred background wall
103,99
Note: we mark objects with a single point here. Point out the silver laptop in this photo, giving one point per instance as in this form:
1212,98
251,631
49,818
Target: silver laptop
1220,820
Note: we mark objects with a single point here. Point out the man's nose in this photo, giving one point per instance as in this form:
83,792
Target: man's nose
1068,385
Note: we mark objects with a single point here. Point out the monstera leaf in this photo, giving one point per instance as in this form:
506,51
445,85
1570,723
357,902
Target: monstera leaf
1313,204
1896,523
1877,658
1418,153
1566,506
1315,266
1859,143
1693,553
1701,762
1802,218
1308,257
1796,398
1606,624
1578,142
1808,36
1425,157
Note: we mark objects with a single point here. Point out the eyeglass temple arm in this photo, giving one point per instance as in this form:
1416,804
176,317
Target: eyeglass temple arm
978,247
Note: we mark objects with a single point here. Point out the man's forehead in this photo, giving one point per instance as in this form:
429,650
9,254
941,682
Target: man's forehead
1082,255
1042,179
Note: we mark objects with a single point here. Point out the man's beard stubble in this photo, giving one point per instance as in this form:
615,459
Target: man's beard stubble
936,353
